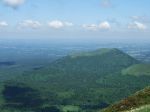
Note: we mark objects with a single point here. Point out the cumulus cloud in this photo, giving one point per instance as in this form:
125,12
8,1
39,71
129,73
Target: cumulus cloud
105,25
56,24
137,25
102,26
3,24
13,3
30,24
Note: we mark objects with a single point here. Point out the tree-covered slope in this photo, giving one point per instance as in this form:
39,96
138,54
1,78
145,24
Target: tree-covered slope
85,81
98,61
138,102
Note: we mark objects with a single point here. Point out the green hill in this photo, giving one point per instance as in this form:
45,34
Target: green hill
138,102
137,70
83,81
91,60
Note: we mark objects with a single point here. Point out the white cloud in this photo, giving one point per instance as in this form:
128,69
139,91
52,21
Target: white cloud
13,3
56,24
137,25
102,26
30,24
105,25
3,24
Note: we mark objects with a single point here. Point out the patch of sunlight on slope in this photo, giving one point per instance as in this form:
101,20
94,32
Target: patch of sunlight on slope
137,70
141,109
70,108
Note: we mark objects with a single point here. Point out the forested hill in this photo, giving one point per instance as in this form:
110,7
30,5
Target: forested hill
85,82
101,60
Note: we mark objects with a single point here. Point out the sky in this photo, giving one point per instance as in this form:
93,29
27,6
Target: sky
91,20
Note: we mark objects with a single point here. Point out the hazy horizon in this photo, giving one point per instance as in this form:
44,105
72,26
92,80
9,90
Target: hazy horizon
63,20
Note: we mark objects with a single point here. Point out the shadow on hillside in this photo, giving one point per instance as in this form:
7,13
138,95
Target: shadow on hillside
7,63
19,96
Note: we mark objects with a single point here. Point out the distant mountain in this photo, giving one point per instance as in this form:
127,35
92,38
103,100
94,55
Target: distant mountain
84,81
138,102
96,61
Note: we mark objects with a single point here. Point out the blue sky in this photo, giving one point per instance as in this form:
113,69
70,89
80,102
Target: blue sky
75,19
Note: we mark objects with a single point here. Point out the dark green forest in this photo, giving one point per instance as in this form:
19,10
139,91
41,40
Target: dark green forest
82,82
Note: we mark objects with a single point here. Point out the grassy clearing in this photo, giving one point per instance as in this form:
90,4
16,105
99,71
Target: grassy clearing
137,70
